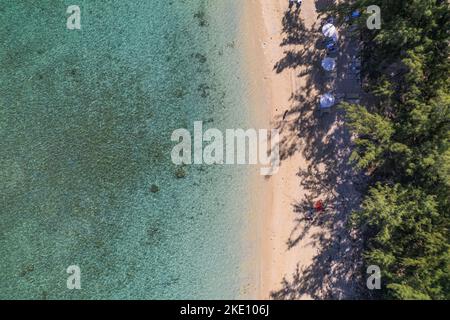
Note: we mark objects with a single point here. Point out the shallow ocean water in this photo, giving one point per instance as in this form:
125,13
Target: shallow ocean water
85,123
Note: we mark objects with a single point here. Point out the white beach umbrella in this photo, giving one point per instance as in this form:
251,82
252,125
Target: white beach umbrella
329,30
327,101
329,63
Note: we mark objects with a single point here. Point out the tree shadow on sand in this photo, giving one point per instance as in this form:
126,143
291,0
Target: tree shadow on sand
326,145
323,5
295,33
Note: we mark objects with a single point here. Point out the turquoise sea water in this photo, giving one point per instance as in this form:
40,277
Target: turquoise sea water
85,124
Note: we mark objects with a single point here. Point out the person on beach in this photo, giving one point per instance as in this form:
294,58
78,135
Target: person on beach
318,206
298,4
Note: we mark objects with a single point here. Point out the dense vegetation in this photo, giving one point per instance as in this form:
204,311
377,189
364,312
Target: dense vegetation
402,143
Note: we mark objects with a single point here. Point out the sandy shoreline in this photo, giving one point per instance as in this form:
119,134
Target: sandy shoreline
271,99
294,261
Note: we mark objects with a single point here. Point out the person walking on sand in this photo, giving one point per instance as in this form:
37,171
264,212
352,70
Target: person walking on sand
298,4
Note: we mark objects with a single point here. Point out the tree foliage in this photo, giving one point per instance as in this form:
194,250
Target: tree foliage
407,239
402,141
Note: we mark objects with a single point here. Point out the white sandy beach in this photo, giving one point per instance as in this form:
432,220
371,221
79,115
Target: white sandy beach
298,259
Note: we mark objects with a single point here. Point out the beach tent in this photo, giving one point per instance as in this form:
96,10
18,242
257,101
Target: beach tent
327,101
329,64
329,30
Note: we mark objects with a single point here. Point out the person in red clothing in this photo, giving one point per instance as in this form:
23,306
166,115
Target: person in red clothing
318,206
